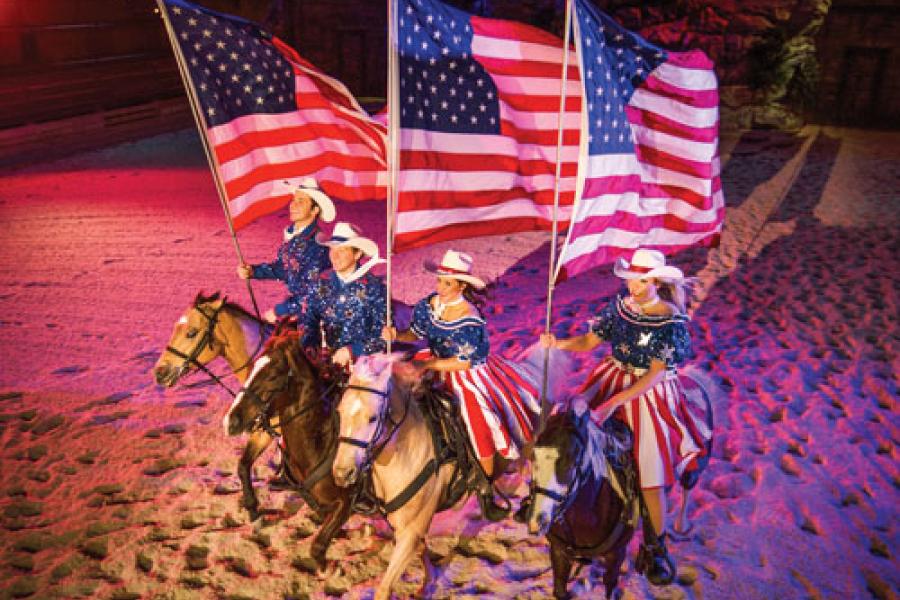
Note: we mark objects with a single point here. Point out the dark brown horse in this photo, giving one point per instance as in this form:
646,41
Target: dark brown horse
213,327
574,502
285,384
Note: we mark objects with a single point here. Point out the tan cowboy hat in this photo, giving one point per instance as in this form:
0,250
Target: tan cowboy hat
309,187
648,264
345,234
456,265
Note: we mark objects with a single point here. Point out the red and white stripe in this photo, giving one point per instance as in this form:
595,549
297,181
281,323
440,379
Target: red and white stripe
668,194
500,405
329,137
668,438
453,186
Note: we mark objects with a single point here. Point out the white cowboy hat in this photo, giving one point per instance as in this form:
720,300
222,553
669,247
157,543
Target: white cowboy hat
647,264
309,187
345,234
456,265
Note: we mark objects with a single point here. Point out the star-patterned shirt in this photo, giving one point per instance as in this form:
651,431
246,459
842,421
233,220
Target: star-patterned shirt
465,338
636,338
300,262
349,314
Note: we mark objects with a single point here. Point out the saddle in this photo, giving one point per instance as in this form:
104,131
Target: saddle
621,468
451,443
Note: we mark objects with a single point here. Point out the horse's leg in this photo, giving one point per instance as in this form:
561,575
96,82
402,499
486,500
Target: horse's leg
430,573
407,542
562,568
257,442
612,565
332,524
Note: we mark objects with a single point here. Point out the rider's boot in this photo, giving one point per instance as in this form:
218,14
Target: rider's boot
654,562
490,510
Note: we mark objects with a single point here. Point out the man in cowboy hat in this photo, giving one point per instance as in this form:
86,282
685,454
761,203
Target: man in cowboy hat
301,258
349,303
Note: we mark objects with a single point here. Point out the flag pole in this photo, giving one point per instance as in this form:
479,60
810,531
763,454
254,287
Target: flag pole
200,121
392,155
551,279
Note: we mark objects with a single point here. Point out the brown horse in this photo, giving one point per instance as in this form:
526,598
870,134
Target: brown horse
285,384
573,500
212,327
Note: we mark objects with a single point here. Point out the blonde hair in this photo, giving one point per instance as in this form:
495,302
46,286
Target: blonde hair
676,291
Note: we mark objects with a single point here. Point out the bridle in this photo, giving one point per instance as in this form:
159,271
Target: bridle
375,445
563,501
206,341
263,420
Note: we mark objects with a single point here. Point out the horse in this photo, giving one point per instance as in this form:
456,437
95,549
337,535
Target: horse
575,503
284,383
210,328
386,438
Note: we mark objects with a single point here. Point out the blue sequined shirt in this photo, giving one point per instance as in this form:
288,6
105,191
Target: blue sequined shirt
349,314
301,259
636,338
465,338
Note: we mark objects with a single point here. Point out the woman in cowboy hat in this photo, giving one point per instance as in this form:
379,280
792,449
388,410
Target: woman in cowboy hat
301,259
638,384
349,304
498,403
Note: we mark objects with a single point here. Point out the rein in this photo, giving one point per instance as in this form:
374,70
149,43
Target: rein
207,341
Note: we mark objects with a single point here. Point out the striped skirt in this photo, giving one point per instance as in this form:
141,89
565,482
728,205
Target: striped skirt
499,403
670,436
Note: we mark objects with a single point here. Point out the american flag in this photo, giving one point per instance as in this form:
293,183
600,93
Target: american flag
650,163
271,116
479,114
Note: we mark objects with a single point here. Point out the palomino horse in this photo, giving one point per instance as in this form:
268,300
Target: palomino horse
285,384
385,436
573,501
210,328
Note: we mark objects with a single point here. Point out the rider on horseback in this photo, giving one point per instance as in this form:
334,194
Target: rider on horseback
639,385
348,303
498,404
301,258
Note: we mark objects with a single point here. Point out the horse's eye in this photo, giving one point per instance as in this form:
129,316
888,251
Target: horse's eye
372,419
192,332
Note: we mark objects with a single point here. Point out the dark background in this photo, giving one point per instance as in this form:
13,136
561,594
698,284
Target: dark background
107,62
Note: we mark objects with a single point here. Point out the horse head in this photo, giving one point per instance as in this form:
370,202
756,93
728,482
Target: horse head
362,411
558,457
271,385
193,340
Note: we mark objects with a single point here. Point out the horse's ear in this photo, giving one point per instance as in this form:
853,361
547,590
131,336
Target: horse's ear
580,411
291,360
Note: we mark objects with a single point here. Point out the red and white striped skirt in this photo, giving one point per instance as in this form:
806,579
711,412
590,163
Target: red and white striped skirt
500,404
669,437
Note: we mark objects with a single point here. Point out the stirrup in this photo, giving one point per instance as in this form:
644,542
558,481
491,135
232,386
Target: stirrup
521,515
654,562
490,510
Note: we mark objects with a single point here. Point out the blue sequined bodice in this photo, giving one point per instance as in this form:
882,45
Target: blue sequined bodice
636,338
465,338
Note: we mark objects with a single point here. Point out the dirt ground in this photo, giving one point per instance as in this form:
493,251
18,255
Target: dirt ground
111,487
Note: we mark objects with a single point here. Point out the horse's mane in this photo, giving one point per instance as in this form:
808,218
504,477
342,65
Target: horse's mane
233,306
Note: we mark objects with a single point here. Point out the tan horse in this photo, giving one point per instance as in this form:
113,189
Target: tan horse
383,430
210,328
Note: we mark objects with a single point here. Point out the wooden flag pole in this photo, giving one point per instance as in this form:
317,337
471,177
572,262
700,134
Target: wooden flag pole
392,149
551,279
200,121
